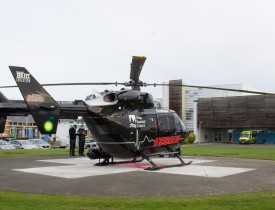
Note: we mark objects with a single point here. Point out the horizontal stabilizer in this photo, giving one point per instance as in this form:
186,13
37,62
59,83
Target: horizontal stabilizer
3,98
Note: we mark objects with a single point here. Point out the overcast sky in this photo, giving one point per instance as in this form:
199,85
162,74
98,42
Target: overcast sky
202,42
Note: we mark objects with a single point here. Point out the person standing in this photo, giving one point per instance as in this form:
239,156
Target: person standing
73,134
81,134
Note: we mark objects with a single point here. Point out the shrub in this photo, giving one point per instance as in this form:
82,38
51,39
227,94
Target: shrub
190,138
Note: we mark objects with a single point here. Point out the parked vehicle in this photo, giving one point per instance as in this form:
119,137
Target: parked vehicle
6,145
8,139
23,144
60,143
40,143
248,137
62,135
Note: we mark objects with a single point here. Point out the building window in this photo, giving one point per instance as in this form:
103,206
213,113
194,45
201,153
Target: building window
189,115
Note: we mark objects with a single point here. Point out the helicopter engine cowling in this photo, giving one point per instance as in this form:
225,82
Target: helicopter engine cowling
110,97
105,99
140,99
95,153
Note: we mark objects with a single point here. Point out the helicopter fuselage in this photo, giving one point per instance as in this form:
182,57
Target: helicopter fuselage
126,131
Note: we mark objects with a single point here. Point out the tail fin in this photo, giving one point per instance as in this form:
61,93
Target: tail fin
3,116
44,109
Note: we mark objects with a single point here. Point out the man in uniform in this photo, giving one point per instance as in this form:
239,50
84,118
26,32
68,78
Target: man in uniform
72,133
81,133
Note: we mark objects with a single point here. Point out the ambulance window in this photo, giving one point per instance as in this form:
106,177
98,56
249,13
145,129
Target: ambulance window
151,123
165,122
183,127
177,122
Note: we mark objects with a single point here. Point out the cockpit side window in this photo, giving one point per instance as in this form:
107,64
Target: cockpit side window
165,123
151,123
179,126
177,122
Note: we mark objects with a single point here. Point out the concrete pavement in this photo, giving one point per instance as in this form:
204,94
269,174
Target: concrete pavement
78,176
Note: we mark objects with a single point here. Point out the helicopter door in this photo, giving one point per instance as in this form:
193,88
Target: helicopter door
165,125
148,134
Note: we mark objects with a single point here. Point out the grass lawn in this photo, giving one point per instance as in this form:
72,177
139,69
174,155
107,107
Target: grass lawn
263,152
15,200
32,152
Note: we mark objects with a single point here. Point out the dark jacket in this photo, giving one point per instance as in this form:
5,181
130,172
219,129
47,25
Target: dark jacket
81,133
72,133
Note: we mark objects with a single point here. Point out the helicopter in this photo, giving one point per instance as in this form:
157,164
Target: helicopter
125,123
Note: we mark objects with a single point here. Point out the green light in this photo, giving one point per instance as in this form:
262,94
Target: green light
48,126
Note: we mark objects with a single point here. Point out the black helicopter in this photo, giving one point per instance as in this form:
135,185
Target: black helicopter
125,123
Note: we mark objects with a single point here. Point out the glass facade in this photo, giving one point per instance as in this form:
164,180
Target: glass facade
181,100
192,94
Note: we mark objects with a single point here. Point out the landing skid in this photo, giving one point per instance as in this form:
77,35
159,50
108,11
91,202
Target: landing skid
155,167
107,161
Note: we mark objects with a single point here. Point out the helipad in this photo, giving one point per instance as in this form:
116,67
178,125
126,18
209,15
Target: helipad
79,176
84,167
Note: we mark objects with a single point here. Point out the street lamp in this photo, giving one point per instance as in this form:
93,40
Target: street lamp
200,132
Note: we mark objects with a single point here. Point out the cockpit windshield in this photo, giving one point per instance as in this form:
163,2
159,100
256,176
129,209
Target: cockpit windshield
179,126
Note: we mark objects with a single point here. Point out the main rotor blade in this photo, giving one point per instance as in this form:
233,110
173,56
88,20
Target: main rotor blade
152,84
73,84
213,88
136,67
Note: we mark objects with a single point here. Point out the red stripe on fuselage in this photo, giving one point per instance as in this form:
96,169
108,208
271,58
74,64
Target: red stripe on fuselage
166,140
